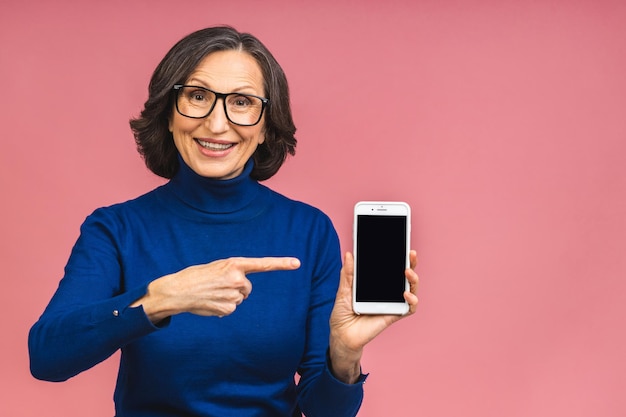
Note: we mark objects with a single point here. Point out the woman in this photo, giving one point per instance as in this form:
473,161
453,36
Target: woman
216,289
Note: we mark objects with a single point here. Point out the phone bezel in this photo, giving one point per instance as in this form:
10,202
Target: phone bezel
380,208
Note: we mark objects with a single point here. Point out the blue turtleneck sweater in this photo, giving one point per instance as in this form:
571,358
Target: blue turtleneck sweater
188,365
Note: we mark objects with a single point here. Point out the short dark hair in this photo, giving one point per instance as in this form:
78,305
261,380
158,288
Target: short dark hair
151,129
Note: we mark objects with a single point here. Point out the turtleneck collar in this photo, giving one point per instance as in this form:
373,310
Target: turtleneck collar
213,196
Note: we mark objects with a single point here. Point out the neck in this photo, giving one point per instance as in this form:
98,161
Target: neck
214,196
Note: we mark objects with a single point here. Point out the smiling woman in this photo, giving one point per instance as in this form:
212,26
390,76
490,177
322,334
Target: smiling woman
184,62
168,277
214,146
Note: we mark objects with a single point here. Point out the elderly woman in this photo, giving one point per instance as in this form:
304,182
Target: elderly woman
216,289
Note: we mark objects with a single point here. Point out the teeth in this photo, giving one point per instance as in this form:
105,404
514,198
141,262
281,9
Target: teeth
214,146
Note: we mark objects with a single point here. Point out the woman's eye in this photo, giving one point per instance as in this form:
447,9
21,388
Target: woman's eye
198,96
241,101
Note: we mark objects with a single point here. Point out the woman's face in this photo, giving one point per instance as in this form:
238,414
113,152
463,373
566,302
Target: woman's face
213,147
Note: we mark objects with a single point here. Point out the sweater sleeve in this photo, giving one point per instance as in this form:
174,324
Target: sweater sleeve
89,317
320,394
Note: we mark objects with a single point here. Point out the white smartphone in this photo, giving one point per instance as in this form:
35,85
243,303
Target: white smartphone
382,235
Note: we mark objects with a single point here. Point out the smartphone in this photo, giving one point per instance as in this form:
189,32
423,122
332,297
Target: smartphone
382,235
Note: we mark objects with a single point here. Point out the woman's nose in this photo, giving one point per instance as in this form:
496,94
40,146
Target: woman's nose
217,121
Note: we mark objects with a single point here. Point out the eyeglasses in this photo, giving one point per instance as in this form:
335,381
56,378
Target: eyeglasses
198,102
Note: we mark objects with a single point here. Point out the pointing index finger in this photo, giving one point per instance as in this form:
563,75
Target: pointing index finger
250,265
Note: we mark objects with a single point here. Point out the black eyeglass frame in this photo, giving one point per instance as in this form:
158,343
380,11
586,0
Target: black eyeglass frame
179,87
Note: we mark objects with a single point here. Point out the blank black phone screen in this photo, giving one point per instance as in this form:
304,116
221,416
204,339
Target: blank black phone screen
381,258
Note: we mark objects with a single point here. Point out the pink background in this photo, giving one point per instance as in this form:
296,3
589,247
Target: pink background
502,123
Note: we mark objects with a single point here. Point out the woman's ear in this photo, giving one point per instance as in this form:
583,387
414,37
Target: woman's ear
262,134
170,120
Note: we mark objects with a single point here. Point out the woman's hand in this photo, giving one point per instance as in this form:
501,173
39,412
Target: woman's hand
350,332
213,289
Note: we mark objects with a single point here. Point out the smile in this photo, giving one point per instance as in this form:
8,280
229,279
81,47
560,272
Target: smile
212,146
